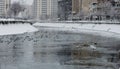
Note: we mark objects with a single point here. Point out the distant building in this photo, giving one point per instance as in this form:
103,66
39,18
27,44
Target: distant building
115,9
4,7
101,10
45,9
95,9
65,9
105,10
76,6
81,8
86,5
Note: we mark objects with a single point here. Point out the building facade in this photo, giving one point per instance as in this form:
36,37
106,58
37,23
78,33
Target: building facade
105,10
100,10
45,9
95,9
76,6
4,7
65,9
81,8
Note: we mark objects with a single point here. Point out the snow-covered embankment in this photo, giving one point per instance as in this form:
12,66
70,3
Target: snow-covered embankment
11,29
15,35
108,30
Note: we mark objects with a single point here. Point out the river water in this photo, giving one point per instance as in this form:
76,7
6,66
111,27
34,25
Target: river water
49,49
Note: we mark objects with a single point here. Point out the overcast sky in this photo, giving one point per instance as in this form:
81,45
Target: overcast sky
29,2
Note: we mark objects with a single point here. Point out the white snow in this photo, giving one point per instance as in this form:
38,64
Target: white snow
87,28
102,21
102,27
10,19
9,29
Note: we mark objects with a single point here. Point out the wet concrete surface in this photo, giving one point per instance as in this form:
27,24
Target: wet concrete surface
49,49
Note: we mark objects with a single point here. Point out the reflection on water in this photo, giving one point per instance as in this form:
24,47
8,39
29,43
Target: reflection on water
57,50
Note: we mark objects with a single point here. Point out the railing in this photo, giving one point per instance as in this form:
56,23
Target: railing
85,22
3,21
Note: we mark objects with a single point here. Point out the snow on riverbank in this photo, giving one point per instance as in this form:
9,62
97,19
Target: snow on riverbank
94,22
16,29
97,29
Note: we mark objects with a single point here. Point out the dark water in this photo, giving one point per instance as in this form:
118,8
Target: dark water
54,50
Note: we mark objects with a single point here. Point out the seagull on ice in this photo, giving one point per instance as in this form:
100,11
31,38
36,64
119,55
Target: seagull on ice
93,47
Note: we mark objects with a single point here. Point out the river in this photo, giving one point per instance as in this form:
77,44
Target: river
50,49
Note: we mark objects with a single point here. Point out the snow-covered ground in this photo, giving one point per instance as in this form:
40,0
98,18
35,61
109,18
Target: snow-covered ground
98,22
9,29
103,27
87,28
10,19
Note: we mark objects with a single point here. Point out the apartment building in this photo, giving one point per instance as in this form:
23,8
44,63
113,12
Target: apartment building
4,7
76,6
81,8
105,10
45,9
65,9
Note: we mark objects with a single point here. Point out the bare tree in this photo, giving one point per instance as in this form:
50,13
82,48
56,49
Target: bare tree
15,9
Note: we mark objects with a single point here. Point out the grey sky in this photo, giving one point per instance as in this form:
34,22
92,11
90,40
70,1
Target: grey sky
26,1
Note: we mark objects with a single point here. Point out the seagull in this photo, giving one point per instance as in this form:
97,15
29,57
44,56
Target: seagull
93,47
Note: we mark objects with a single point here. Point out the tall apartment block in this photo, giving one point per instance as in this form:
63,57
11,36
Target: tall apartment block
45,9
4,7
